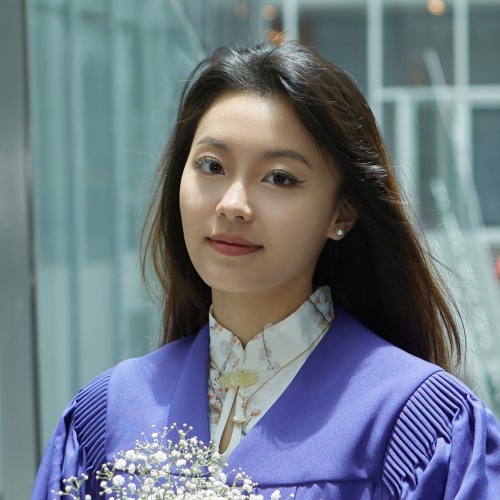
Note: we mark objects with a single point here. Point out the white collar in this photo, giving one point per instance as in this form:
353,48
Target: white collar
277,344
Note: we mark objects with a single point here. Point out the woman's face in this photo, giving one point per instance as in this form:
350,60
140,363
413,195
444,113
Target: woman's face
257,198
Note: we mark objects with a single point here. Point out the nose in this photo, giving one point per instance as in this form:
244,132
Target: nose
234,204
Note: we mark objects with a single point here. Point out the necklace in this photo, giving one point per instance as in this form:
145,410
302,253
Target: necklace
242,418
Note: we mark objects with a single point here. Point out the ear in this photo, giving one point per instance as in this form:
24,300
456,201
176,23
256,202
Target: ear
343,219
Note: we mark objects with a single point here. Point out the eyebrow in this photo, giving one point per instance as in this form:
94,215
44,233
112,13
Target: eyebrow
286,153
213,142
268,155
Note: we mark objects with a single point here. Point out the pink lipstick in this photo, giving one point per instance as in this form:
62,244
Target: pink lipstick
232,245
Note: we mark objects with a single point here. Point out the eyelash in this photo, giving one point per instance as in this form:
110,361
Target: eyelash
288,179
199,164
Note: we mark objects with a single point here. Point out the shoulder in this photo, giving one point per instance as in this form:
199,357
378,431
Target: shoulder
168,358
444,443
149,377
362,353
437,439
91,404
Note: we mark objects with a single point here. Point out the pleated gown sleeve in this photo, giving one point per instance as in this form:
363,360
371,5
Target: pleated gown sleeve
445,445
77,444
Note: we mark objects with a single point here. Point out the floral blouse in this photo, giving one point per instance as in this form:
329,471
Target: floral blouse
257,375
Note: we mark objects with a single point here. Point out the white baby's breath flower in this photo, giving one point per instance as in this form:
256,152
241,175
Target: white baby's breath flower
149,473
120,464
118,480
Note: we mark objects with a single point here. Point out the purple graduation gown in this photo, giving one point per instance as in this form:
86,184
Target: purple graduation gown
361,420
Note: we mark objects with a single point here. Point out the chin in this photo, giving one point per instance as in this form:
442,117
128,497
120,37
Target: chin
231,288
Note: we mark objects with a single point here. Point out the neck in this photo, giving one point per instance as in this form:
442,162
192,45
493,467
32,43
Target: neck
246,314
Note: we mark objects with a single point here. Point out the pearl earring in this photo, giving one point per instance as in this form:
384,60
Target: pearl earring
340,232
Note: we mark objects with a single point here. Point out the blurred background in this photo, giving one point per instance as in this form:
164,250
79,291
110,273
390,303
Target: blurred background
88,93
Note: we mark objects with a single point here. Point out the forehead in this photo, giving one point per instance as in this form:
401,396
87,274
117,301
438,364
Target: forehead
267,118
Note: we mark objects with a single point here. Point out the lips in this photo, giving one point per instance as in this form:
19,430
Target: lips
232,245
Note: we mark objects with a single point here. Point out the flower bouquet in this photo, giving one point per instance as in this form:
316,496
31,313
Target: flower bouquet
159,468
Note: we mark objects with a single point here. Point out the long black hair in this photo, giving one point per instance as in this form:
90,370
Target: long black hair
381,271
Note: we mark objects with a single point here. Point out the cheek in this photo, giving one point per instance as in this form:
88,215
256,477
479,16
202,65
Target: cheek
189,197
195,194
304,225
183,189
186,206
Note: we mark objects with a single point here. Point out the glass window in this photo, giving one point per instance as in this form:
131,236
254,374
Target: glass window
340,35
486,160
229,22
430,141
105,79
484,36
408,32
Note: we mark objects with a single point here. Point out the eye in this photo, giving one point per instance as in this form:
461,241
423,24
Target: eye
209,166
280,178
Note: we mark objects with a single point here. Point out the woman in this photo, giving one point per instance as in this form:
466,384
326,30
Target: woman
321,371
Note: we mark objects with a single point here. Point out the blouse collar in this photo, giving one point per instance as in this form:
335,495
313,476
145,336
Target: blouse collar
277,343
